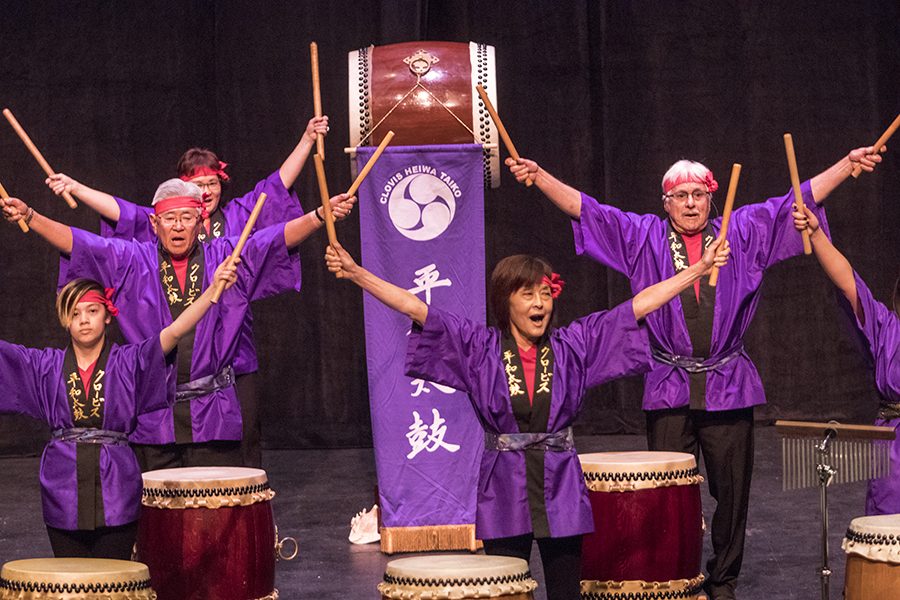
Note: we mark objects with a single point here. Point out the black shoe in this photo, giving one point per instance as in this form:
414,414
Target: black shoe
719,591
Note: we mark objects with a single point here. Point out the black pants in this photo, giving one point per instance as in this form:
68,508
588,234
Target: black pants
561,558
251,453
171,456
725,438
105,542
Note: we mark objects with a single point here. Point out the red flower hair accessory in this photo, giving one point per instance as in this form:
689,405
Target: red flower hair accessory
710,182
556,284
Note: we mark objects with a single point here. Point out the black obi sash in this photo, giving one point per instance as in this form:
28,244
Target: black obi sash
178,300
531,417
698,316
87,407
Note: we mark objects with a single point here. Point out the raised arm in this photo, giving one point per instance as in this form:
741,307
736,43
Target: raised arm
59,235
835,264
565,197
187,320
104,204
827,181
297,230
651,298
344,267
293,164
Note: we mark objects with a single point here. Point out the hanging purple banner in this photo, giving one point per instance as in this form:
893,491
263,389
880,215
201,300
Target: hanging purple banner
422,228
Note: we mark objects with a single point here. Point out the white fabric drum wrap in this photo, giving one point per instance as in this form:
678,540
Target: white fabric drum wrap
632,471
451,576
876,538
205,487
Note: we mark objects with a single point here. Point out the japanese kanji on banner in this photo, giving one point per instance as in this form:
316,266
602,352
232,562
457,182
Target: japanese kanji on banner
422,228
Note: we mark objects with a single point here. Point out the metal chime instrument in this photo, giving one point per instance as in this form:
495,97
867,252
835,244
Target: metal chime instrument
819,454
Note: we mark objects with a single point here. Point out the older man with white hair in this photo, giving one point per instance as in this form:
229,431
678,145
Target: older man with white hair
699,395
155,281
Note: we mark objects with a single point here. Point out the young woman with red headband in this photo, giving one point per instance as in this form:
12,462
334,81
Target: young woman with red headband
90,394
526,381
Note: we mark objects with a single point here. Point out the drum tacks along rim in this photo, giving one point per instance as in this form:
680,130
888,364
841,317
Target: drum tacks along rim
456,576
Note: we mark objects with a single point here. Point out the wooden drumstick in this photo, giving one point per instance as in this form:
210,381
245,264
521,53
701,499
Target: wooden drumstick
326,202
317,94
22,225
507,141
881,142
370,163
236,253
36,153
795,183
726,216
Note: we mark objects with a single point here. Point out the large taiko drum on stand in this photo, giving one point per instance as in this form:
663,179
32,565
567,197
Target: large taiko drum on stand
208,532
872,545
457,576
425,93
75,579
648,526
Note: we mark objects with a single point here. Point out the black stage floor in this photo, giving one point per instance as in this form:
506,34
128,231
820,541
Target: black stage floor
319,491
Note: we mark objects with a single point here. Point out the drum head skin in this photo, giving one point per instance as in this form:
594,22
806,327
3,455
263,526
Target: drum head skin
456,576
74,578
205,487
632,471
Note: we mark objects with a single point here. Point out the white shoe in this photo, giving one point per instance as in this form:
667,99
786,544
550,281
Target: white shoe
364,527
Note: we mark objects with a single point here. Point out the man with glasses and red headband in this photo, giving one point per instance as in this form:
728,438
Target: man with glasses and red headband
699,395
126,220
155,281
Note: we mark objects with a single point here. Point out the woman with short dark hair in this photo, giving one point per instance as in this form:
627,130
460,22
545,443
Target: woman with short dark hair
526,381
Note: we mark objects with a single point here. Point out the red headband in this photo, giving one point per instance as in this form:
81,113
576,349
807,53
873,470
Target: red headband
180,202
556,284
104,299
203,171
711,184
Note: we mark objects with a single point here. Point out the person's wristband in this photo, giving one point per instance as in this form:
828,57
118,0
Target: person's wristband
318,216
29,216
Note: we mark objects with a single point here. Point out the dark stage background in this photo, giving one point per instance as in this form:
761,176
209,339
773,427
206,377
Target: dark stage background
606,95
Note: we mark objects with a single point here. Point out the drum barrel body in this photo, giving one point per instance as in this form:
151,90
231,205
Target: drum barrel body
226,553
425,92
867,579
208,532
649,535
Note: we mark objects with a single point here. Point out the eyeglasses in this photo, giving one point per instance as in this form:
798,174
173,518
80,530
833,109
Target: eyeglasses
209,185
697,195
186,219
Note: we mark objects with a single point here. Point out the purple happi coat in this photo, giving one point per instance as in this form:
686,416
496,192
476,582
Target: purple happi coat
760,235
133,268
881,328
134,383
282,205
465,355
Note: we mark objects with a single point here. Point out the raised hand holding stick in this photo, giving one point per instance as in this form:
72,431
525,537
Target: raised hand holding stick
236,253
22,225
726,216
880,143
507,141
795,183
